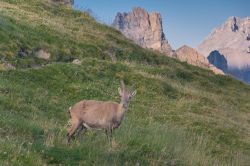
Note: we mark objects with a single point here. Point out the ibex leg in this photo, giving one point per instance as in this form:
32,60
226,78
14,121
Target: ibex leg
109,133
74,126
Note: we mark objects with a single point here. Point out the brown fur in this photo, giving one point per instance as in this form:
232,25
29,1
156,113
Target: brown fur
106,115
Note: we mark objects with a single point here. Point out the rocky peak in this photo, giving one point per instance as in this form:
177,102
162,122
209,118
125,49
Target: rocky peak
237,24
140,12
191,56
144,29
234,34
233,22
232,40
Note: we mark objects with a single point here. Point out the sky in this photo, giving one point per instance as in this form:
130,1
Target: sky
184,21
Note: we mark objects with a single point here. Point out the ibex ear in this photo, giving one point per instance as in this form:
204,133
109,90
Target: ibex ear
133,94
120,91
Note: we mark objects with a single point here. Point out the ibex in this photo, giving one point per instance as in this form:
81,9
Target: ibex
104,115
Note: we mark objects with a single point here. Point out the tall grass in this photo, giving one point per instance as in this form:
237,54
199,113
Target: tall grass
181,115
160,128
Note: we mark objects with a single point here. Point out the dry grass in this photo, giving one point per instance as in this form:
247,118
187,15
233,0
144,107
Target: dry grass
182,115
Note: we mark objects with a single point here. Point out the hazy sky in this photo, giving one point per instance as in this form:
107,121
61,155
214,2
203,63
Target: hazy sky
184,21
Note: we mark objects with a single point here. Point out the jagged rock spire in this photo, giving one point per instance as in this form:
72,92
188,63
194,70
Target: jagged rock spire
144,29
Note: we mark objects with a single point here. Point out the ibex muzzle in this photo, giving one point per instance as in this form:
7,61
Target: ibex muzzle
106,115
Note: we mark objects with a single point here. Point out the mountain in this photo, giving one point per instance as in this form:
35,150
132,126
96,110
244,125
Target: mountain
191,56
56,56
144,29
232,40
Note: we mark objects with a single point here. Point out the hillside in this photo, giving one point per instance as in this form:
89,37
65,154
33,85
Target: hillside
181,115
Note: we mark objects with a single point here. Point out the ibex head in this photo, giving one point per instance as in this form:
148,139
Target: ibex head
126,95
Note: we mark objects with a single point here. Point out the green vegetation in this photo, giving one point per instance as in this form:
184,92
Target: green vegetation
181,115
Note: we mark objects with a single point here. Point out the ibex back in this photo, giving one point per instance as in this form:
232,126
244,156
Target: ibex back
106,115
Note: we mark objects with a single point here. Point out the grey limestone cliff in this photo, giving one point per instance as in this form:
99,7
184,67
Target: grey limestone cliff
144,29
232,40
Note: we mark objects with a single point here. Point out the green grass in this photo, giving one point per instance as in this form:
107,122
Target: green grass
181,115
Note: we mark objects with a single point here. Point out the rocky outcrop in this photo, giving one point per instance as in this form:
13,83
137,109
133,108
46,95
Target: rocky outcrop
216,70
77,62
42,54
64,2
144,29
191,56
218,60
6,66
231,39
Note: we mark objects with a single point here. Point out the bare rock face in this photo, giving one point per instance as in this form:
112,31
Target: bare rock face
64,2
191,56
216,70
144,29
77,62
42,54
6,66
232,39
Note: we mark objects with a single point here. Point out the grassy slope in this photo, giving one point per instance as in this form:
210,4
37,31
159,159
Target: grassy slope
182,115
